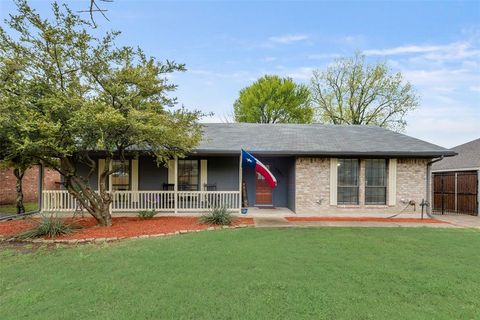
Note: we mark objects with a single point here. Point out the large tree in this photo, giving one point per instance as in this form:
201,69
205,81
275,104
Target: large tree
272,99
87,95
352,91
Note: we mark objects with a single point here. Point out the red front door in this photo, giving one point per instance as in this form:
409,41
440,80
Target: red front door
263,194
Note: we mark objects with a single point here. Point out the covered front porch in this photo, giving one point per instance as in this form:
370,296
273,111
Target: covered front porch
192,185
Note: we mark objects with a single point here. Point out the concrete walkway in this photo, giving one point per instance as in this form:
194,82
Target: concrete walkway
461,220
272,222
281,222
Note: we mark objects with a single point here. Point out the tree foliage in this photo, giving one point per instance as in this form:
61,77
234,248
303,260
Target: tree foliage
81,94
351,91
272,99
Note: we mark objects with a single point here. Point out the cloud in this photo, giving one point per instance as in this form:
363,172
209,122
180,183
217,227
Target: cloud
448,125
475,88
302,73
352,40
441,76
322,56
401,50
241,75
439,53
289,38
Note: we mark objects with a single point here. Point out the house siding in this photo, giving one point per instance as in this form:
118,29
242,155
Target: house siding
150,176
291,185
223,171
312,187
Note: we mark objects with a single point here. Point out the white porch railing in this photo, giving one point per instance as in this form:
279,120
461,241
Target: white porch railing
131,201
58,200
207,200
124,201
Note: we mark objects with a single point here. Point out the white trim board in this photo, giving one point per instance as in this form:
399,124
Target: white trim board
333,181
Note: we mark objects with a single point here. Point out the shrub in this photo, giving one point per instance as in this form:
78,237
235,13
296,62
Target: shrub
50,226
218,216
146,214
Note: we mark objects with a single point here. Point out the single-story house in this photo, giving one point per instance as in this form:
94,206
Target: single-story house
455,181
319,169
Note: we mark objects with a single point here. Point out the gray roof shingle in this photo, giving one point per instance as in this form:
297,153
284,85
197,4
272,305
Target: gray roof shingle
313,139
468,157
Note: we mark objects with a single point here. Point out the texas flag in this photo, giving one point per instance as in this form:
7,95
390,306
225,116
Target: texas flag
250,161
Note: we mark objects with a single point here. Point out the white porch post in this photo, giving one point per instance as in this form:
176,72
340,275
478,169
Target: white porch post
175,186
240,174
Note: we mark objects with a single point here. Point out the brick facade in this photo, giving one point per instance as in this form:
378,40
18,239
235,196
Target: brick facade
312,192
30,184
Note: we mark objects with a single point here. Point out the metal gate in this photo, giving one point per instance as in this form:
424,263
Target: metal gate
455,192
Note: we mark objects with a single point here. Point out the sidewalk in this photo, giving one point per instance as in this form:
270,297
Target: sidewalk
282,222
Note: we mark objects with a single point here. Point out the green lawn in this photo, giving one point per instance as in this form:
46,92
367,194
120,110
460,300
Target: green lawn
11,208
324,273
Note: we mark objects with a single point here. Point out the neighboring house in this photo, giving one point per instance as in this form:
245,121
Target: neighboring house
319,169
8,183
456,180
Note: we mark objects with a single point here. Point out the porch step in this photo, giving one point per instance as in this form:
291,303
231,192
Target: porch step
271,222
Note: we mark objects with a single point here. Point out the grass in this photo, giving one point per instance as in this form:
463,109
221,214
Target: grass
11,208
336,273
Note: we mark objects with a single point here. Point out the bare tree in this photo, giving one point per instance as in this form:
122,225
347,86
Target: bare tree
353,92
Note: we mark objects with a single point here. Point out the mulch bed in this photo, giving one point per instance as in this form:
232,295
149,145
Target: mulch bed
122,227
362,219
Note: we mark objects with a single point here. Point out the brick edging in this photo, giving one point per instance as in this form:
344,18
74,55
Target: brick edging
102,240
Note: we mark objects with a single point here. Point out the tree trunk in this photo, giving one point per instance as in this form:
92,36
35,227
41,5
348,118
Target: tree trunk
19,190
96,203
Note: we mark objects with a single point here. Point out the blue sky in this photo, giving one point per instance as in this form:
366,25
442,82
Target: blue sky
227,45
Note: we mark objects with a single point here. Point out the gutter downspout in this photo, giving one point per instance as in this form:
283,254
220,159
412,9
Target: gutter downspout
429,178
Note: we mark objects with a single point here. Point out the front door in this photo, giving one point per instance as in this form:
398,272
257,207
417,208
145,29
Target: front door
263,195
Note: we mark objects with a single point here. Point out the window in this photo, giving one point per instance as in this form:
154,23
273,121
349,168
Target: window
348,170
121,175
375,181
188,175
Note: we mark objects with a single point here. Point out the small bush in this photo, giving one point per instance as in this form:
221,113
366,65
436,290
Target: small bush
218,216
146,214
50,226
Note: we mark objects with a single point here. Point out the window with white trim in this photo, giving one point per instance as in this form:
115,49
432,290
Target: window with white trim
376,181
347,181
188,175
